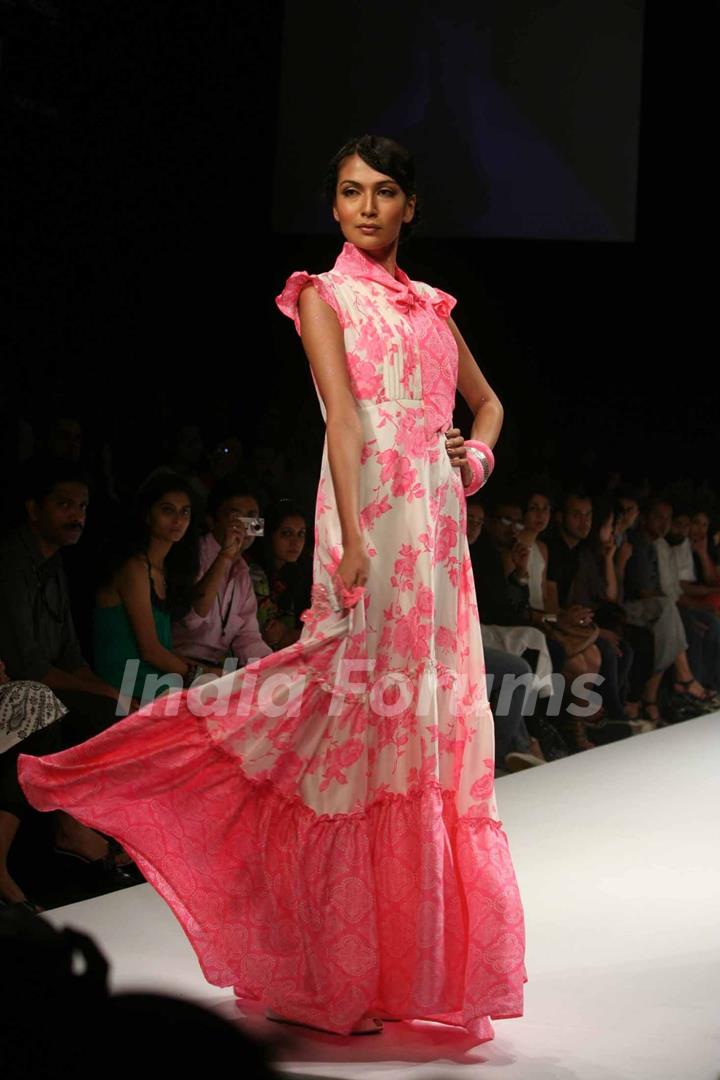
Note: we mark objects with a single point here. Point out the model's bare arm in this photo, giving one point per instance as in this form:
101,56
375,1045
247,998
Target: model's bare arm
322,338
475,389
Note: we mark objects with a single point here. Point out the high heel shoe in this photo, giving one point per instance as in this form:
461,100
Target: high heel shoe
686,700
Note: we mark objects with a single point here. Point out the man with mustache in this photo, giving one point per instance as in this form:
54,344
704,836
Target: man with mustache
37,635
38,643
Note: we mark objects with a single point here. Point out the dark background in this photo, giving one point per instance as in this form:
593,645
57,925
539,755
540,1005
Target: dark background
139,144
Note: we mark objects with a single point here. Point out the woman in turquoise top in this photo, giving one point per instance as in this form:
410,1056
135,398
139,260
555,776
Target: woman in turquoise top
149,582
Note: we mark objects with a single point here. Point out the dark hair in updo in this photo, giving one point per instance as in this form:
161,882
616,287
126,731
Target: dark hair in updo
385,156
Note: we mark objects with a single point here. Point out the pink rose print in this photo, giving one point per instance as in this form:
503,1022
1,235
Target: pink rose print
367,450
411,636
425,601
400,469
370,513
483,787
411,438
445,639
338,759
447,537
366,378
405,567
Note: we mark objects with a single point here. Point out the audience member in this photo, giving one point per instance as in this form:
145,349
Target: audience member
500,569
647,606
280,580
515,748
475,512
149,578
37,635
702,626
705,562
536,518
222,621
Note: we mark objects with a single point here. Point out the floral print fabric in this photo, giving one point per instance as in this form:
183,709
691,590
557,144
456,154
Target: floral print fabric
324,823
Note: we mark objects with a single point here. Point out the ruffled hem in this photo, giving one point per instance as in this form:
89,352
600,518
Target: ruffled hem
405,910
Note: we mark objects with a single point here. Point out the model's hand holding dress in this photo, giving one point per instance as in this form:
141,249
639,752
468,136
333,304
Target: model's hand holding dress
323,823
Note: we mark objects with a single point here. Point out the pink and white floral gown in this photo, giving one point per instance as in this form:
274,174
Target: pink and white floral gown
323,823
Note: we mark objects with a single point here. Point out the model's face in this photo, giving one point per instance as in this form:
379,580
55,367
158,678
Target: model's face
239,506
577,518
60,518
537,515
370,206
169,517
289,539
475,521
658,521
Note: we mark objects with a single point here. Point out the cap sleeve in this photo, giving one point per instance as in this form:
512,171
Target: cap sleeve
442,302
287,301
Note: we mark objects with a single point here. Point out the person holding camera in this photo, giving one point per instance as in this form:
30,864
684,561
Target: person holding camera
223,621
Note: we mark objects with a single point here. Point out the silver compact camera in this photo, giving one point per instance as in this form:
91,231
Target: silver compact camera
254,526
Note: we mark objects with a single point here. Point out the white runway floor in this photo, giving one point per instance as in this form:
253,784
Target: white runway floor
617,852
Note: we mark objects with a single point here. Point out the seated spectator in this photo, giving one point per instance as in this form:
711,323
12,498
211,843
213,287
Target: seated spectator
536,518
572,628
515,748
30,723
500,569
585,578
223,622
281,582
598,586
705,581
627,512
648,606
475,512
37,635
702,626
149,578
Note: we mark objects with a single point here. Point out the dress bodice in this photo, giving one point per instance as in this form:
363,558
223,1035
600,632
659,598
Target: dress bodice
397,339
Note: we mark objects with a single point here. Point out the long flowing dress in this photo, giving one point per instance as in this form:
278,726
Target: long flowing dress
323,823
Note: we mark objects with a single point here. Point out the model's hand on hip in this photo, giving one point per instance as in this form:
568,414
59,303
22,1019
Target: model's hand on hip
455,446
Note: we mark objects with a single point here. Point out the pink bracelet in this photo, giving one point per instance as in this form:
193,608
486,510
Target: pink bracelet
481,461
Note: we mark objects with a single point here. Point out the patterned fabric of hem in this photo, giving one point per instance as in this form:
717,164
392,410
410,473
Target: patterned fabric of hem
407,909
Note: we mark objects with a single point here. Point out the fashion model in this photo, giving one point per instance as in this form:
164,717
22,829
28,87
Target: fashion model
323,822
